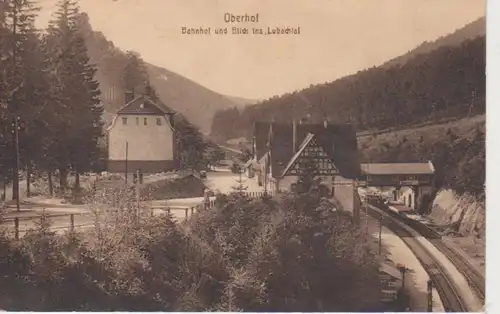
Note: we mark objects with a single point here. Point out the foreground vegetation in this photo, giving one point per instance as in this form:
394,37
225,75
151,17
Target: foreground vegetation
291,254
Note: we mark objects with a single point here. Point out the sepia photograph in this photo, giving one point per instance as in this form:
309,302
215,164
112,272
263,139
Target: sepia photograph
243,155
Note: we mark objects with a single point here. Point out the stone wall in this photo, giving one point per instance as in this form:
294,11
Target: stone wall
464,211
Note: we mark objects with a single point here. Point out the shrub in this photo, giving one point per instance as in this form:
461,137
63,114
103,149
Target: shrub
290,254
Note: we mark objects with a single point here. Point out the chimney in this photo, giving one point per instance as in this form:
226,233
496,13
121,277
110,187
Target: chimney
325,124
294,130
129,96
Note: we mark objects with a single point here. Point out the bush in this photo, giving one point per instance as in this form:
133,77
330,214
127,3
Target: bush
290,254
295,254
177,188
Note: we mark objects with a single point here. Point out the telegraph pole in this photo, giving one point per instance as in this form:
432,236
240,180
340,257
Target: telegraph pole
472,102
380,236
16,176
15,183
429,295
230,297
366,195
138,192
126,163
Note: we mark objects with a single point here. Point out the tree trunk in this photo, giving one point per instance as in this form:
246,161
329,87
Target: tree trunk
28,178
4,189
63,179
77,181
51,185
15,185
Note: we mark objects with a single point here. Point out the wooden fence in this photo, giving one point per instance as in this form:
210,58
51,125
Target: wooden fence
76,221
16,223
256,194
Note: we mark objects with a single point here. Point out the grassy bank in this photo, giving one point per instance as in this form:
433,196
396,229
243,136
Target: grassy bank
189,186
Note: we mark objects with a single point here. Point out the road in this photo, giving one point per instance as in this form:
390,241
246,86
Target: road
224,181
221,180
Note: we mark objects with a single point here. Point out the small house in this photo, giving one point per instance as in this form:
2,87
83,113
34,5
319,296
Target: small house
142,137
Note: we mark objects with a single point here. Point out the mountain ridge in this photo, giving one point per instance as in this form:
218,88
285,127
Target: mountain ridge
195,102
469,31
368,98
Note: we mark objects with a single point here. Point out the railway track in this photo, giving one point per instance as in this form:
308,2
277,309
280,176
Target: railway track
474,278
452,302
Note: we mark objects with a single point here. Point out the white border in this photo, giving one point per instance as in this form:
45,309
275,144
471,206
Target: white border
492,151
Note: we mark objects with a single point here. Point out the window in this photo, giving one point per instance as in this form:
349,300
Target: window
158,121
124,120
136,121
145,121
392,284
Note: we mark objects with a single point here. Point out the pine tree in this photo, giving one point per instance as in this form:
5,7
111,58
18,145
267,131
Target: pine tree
191,145
78,95
240,186
135,77
22,71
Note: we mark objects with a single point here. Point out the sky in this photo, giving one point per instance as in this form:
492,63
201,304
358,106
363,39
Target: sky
337,37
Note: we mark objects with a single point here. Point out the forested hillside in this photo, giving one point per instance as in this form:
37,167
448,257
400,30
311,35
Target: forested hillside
195,102
469,31
447,82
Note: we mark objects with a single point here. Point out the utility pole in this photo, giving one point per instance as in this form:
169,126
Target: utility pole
15,190
380,236
126,163
366,196
266,175
472,102
230,297
137,192
429,295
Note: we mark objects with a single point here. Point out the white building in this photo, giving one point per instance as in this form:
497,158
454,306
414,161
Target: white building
142,136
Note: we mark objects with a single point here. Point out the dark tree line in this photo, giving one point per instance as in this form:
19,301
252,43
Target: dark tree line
48,92
447,82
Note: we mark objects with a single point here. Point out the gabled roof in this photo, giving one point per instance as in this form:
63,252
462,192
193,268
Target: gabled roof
326,160
342,136
391,271
145,105
398,168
